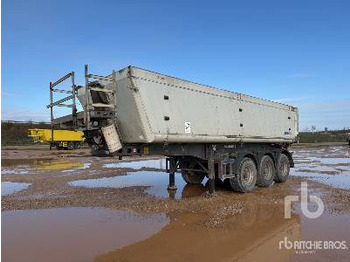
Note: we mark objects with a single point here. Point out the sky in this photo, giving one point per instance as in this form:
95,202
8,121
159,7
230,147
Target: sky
294,52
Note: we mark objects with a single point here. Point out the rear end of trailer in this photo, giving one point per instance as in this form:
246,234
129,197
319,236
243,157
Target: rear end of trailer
203,131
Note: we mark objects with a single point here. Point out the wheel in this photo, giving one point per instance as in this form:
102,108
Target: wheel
283,168
70,146
100,153
191,177
266,172
245,180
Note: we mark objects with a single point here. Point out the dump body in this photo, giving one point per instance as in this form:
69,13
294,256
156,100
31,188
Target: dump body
203,131
44,135
155,108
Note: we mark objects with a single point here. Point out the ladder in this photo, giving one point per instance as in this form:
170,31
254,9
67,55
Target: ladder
72,92
93,109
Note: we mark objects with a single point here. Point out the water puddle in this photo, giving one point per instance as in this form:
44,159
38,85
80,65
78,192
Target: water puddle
104,235
327,228
248,238
330,160
24,166
330,166
22,161
154,163
321,169
72,234
60,165
16,171
253,235
8,188
156,182
339,181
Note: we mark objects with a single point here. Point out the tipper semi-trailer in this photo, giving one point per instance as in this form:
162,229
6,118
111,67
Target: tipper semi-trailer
203,131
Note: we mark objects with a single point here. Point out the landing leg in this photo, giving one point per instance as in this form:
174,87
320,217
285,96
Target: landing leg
211,174
172,194
172,169
211,185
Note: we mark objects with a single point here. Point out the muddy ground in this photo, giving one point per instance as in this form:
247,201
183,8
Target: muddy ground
70,206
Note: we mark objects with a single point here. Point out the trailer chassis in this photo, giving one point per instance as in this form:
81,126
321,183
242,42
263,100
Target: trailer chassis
216,161
240,164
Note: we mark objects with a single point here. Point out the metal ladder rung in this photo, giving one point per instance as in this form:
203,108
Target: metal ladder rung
61,79
63,105
105,78
102,105
62,91
102,90
60,101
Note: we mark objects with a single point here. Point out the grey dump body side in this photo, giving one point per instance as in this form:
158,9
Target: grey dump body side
202,130
154,108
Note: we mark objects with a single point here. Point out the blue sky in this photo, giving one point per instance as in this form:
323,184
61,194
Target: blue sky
296,52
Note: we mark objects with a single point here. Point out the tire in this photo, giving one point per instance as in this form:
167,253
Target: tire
100,153
246,178
192,178
70,146
283,168
266,172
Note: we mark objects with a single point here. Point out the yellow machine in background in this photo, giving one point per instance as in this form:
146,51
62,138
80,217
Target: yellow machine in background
62,139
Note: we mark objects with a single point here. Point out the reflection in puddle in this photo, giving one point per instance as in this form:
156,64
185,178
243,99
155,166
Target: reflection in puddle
330,166
58,165
155,163
72,234
22,161
22,166
16,171
328,227
156,182
331,160
8,188
253,235
339,181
